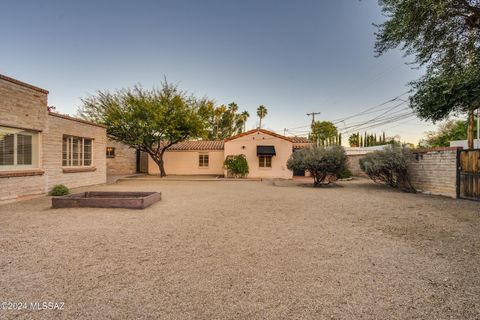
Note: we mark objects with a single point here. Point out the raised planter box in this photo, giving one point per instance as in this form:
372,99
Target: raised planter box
103,199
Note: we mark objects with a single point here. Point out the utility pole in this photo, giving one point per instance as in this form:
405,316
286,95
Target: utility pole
285,131
313,116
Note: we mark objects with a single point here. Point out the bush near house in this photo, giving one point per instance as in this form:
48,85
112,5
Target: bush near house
325,164
59,190
345,174
388,166
236,165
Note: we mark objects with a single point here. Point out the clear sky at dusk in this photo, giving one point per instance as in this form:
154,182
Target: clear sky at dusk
292,56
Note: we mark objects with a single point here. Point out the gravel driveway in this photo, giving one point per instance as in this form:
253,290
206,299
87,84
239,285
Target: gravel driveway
245,250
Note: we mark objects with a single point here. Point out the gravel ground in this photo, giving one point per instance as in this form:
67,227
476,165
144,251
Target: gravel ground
245,250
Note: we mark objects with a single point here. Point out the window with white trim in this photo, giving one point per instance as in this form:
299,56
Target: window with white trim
76,151
203,160
18,148
264,161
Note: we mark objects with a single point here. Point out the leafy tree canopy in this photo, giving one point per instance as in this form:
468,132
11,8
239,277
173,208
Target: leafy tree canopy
443,35
223,121
323,132
436,32
148,120
448,131
442,93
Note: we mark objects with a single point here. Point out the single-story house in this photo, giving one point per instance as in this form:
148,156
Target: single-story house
266,153
39,148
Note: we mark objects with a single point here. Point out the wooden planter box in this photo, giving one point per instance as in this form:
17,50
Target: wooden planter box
101,199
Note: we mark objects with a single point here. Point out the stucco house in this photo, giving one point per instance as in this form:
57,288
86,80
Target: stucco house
266,152
39,149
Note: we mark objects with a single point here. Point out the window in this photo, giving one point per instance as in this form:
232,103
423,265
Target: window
76,151
110,152
18,148
264,162
203,160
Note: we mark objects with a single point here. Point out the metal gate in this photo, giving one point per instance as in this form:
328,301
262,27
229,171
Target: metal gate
468,174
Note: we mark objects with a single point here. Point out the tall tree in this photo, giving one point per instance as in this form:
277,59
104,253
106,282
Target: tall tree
261,113
446,132
149,120
223,121
323,133
245,115
443,35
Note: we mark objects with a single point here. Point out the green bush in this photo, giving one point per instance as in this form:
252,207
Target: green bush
345,174
59,190
389,166
325,164
236,165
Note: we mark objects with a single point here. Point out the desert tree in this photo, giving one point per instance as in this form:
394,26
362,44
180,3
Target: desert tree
443,36
148,120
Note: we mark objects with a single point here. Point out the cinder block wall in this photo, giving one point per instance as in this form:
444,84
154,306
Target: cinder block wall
434,171
125,160
22,106
52,152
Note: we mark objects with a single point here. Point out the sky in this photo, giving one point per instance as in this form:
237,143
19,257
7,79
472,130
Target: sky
294,57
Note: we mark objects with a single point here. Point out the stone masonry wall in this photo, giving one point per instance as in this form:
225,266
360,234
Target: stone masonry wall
22,106
434,171
125,160
52,152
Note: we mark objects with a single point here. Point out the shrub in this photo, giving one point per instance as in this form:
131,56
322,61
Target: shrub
325,164
236,165
388,166
59,190
345,174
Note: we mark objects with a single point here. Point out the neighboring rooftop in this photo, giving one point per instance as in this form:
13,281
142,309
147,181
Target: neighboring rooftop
23,84
299,139
198,146
246,133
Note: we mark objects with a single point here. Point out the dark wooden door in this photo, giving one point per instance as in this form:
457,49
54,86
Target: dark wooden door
468,174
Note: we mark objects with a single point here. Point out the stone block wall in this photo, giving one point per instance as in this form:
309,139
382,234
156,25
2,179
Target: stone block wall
125,160
23,106
434,171
58,126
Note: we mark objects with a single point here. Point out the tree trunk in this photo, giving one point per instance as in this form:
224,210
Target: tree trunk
159,161
471,129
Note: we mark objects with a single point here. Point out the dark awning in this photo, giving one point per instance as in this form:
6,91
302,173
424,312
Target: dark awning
265,151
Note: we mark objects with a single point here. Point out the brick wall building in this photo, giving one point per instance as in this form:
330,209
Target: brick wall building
121,159
434,171
39,149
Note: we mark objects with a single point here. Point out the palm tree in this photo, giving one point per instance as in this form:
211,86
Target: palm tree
244,116
261,113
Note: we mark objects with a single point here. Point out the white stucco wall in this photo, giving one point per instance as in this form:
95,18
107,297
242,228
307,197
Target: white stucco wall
186,163
247,145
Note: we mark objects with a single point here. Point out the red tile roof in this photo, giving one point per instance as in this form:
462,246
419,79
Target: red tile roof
197,146
246,133
299,139
23,84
